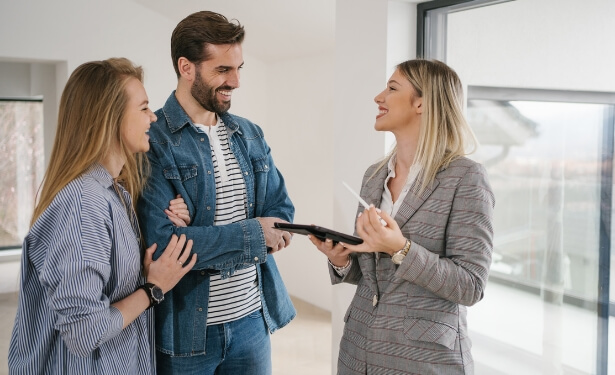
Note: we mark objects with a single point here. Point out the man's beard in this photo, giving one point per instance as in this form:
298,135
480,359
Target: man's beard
206,95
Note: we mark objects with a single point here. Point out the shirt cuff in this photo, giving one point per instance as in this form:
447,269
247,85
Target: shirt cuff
116,324
342,271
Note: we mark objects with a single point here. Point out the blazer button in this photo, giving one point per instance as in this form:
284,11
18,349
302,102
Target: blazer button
375,300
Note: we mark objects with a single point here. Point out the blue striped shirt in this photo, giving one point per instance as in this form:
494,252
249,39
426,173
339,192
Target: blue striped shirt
80,256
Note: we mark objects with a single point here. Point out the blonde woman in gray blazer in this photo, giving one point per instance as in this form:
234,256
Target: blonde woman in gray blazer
416,274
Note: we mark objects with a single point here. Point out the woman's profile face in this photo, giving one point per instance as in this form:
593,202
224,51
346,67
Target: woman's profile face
137,117
399,105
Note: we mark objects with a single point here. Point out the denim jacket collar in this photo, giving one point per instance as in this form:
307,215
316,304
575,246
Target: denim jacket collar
177,118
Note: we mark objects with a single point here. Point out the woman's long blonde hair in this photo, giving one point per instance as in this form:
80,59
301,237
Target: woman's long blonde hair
91,112
444,135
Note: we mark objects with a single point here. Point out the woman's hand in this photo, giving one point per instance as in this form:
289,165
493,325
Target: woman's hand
167,270
178,212
338,254
377,238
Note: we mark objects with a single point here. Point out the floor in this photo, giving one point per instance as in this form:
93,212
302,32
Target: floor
303,347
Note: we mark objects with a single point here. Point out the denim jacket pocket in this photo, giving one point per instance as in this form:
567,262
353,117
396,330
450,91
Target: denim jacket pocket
184,174
429,331
261,173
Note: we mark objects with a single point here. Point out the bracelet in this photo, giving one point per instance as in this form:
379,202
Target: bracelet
340,269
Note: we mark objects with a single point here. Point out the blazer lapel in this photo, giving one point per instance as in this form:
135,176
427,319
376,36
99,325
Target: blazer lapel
372,191
374,187
413,202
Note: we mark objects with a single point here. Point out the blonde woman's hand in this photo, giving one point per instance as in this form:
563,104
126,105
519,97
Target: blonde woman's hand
377,238
178,212
337,254
171,266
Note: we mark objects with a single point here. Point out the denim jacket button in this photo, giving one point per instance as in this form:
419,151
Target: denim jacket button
202,273
256,259
208,172
250,204
208,208
246,173
202,139
200,309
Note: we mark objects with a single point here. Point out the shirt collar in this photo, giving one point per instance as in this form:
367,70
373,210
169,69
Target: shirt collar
100,174
177,118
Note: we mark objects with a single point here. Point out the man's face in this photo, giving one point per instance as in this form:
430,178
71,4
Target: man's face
216,78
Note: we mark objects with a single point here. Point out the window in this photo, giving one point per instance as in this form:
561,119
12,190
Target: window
22,166
546,130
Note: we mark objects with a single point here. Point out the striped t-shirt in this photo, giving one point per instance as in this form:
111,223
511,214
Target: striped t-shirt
237,296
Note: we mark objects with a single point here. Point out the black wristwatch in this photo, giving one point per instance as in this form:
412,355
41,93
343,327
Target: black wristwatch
154,293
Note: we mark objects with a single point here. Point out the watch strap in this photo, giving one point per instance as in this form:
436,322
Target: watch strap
404,251
147,287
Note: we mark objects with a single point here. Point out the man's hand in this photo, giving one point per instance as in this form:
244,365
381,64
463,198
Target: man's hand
276,239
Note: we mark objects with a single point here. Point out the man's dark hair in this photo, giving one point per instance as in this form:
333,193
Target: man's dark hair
193,33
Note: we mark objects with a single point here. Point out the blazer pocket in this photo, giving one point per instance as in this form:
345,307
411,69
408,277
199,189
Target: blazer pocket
430,331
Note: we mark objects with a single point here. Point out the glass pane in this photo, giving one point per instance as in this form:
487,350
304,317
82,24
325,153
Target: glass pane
22,166
545,172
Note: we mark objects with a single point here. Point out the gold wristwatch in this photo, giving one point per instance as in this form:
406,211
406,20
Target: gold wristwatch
399,256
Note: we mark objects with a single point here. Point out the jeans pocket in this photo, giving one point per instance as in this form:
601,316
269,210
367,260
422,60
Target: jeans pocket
256,314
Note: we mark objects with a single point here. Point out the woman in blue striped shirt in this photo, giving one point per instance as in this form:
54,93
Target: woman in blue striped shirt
84,300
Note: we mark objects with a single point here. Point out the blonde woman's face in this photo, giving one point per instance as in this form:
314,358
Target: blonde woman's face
399,106
137,118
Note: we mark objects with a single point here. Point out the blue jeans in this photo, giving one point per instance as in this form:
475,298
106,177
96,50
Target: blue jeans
242,346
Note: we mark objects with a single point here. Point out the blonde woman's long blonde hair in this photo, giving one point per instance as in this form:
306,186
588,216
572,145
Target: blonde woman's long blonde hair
444,135
91,111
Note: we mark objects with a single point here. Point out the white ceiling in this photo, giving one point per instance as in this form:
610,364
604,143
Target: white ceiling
275,29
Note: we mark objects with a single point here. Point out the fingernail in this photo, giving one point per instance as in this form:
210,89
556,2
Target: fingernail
360,213
378,210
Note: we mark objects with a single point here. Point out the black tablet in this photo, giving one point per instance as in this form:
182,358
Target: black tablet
319,232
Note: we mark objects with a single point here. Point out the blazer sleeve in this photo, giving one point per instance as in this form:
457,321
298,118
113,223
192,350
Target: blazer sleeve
461,275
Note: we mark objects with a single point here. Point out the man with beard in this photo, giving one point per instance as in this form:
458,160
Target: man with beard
213,179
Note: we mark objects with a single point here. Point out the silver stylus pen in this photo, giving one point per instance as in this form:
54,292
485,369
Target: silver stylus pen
362,201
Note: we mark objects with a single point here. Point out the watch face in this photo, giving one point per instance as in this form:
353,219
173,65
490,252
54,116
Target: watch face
397,258
157,293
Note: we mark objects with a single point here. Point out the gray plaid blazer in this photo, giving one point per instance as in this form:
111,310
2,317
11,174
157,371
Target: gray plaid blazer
411,318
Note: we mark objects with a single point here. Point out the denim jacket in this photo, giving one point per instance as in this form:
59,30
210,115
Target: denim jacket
180,159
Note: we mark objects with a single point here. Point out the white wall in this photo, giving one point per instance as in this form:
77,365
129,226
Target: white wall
66,33
299,130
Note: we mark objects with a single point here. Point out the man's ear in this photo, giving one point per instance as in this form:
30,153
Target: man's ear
187,69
